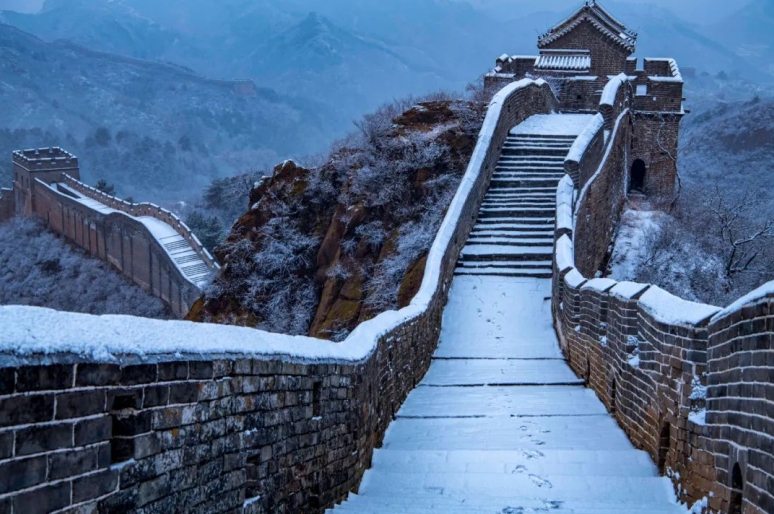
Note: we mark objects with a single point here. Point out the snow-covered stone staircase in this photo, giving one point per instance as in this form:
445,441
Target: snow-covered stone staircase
500,424
514,234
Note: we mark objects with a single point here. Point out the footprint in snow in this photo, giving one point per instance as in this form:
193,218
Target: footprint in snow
541,482
532,454
519,469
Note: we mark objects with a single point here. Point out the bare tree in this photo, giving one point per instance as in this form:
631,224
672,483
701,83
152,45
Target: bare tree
744,239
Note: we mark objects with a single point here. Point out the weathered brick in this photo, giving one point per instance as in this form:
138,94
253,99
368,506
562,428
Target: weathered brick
80,404
44,378
94,486
22,473
36,439
139,374
88,374
43,500
72,463
94,430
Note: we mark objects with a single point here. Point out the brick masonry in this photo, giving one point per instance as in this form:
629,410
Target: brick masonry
211,434
696,393
119,240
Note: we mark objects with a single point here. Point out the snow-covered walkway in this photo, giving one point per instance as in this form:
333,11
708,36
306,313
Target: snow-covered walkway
500,424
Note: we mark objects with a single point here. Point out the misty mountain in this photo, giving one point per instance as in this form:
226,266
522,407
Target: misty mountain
726,139
748,33
154,130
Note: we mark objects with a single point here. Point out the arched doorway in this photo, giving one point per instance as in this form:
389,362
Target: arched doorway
664,442
737,491
637,176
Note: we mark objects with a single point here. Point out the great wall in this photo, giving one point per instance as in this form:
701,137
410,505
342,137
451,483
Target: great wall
148,244
133,415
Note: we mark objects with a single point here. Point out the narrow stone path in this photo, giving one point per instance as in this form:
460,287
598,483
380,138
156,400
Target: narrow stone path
500,424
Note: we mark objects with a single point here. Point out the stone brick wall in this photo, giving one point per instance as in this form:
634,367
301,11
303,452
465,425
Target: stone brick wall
7,204
688,384
740,400
229,433
121,241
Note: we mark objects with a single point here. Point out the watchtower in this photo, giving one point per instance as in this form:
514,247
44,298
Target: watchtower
46,164
578,57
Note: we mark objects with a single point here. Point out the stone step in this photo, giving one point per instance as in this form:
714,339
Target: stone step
515,230
507,183
525,204
526,150
508,241
506,212
500,272
556,137
545,202
529,167
536,146
528,175
526,266
546,222
506,253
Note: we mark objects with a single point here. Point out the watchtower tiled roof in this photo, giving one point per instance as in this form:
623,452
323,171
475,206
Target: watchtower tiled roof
600,19
564,60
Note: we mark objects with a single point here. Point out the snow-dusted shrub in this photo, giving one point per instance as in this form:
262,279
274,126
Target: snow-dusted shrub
40,269
715,247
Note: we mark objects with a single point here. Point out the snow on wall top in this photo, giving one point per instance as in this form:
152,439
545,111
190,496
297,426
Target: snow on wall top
671,310
760,295
38,331
584,139
600,285
611,89
565,257
628,290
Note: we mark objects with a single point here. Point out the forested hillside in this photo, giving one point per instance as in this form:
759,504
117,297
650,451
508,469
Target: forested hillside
157,132
40,269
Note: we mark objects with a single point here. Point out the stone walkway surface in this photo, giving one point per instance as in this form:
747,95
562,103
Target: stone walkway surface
500,424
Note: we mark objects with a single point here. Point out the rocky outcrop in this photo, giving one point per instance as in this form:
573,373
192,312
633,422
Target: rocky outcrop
323,249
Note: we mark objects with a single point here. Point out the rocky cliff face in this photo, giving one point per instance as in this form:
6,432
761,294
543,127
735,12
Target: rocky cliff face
323,249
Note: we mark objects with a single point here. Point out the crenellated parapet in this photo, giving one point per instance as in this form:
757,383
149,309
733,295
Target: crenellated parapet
145,209
688,382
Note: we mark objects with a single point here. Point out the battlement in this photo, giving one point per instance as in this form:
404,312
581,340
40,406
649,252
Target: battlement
663,69
45,159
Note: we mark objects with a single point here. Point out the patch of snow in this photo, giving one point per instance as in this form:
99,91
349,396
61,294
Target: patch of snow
628,290
584,139
251,501
564,253
634,360
599,285
671,310
698,417
699,391
760,295
631,244
574,278
553,124
611,89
